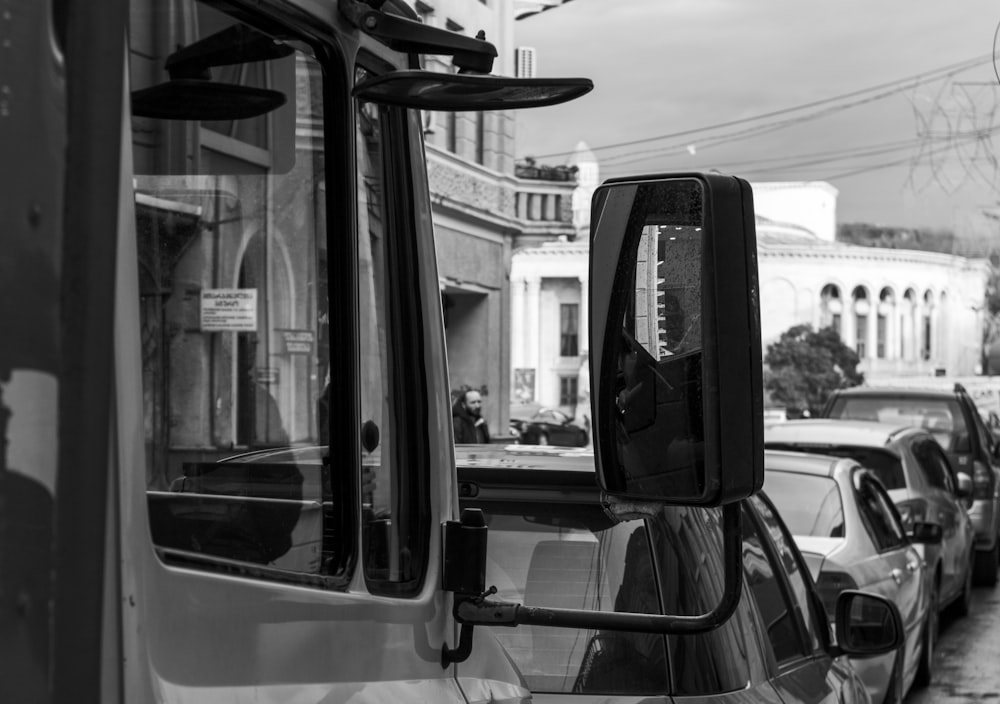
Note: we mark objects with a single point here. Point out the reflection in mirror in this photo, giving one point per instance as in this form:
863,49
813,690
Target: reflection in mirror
668,291
871,626
661,438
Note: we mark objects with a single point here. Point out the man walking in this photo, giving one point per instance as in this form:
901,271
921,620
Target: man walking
467,416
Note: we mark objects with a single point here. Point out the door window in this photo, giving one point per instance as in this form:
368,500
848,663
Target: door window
934,465
690,565
231,235
878,514
779,585
575,557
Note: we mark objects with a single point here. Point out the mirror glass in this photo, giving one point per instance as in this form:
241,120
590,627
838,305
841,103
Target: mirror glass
871,626
659,387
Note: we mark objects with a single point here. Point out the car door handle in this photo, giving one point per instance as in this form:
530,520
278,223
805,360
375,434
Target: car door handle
912,566
897,575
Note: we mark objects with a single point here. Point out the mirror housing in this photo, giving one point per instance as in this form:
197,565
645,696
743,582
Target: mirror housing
867,624
926,533
675,348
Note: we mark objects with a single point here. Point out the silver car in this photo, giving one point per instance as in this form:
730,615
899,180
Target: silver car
921,482
851,537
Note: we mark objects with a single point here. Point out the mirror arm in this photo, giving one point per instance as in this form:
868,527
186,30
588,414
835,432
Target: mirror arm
493,613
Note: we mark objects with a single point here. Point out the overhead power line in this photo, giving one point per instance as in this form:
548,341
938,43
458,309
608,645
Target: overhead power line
885,89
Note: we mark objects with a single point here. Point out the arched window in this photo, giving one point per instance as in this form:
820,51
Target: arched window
831,308
907,337
886,306
925,326
861,308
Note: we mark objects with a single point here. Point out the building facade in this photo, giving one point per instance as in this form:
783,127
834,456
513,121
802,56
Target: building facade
483,207
905,312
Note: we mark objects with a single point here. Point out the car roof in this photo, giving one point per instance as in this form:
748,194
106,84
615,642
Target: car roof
835,431
804,462
897,392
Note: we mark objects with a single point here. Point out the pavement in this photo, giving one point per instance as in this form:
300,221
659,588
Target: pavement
967,658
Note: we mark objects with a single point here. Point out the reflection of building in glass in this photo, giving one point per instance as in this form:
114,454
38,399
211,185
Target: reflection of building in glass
484,205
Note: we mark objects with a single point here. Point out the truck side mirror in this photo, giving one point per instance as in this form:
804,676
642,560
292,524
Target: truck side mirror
675,340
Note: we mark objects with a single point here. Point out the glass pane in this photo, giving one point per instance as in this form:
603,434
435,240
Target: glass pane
768,593
797,577
809,505
575,557
231,246
689,557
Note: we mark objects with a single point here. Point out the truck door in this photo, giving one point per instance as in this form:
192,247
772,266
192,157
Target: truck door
283,467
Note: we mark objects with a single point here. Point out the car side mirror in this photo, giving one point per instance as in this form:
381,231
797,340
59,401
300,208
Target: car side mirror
926,533
675,340
965,486
867,624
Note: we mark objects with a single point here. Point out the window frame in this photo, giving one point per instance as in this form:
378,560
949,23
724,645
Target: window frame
865,479
405,326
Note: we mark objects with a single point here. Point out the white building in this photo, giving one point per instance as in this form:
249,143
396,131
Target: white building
905,312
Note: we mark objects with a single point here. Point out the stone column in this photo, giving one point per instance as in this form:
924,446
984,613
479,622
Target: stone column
532,318
517,327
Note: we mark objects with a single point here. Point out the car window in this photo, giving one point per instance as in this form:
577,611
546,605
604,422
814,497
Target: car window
809,504
943,417
792,566
689,558
879,518
933,465
885,465
575,557
770,595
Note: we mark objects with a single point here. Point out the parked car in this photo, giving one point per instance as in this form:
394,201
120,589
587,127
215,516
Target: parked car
920,481
952,416
852,537
549,426
551,543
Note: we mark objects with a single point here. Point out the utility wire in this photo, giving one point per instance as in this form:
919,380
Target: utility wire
898,85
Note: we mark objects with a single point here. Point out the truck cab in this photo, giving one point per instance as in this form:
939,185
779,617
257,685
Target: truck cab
226,406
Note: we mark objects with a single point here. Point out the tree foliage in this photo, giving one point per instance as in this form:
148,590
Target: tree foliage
804,366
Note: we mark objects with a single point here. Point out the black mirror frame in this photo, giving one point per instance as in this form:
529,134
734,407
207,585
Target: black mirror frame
732,355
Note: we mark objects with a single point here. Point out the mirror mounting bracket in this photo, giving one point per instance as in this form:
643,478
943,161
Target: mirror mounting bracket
481,611
470,55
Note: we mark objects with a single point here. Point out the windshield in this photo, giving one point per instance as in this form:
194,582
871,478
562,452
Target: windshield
942,417
573,556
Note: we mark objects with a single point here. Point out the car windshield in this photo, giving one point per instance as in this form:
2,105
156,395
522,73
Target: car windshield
573,556
809,504
942,417
884,465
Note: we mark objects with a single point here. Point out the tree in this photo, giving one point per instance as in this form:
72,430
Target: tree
805,366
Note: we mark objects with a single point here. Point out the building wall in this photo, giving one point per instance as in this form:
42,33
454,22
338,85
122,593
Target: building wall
798,260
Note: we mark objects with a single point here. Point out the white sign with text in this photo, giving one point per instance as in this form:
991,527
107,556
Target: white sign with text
229,310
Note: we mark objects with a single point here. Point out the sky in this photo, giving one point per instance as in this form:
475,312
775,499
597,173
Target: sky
896,103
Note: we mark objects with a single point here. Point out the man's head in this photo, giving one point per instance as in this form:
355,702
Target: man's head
473,403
